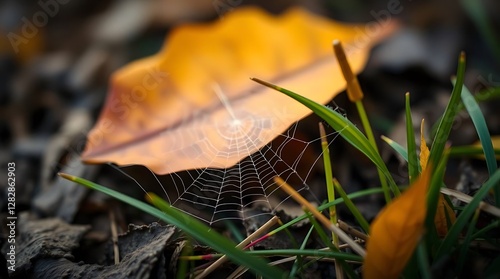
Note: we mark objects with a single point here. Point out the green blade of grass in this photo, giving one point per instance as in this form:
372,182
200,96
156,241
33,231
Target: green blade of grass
328,177
483,133
350,205
436,154
444,128
464,217
183,266
432,201
470,151
346,129
481,129
482,96
423,261
487,228
466,244
330,191
413,162
299,259
397,147
234,230
188,225
371,139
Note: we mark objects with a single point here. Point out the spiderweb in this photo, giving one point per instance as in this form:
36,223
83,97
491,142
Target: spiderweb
216,194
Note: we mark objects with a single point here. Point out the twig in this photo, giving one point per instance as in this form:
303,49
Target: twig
238,272
486,207
342,235
242,244
352,231
114,236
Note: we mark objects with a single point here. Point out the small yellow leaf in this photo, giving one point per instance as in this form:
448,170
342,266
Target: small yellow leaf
396,231
424,150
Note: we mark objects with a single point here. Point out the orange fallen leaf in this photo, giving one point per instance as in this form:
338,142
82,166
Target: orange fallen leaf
193,106
396,231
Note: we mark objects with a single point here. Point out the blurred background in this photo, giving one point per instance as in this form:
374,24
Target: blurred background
56,57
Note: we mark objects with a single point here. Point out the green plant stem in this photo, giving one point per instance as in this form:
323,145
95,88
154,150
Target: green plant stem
444,128
350,205
423,261
328,178
331,192
413,162
433,194
183,264
234,230
299,259
369,134
468,238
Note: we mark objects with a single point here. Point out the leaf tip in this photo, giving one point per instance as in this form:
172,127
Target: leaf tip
268,84
150,197
322,131
67,176
386,139
462,56
258,80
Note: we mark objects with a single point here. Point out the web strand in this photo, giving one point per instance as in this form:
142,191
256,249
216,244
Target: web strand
213,195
